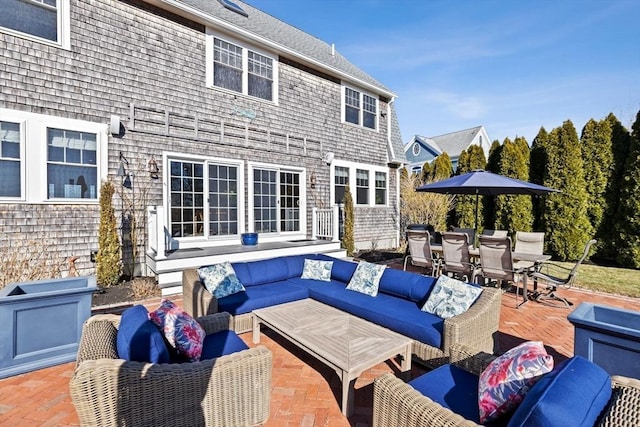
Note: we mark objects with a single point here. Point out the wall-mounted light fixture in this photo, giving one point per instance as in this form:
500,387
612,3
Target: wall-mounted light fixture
122,172
114,125
153,168
328,158
312,180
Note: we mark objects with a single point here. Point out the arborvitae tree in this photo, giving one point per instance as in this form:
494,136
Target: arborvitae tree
537,174
348,238
108,258
513,212
567,227
426,172
620,143
465,212
628,223
595,142
442,167
493,165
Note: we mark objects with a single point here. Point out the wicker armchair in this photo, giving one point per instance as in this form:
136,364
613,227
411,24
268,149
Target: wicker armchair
396,403
233,390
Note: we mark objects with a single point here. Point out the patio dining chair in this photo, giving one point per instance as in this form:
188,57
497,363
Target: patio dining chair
496,263
495,233
456,257
470,232
530,242
551,274
420,253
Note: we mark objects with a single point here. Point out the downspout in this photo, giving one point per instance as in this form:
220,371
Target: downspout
397,170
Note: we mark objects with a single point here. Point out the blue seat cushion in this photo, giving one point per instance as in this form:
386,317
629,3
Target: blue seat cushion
573,394
261,296
222,343
453,388
398,314
139,339
264,271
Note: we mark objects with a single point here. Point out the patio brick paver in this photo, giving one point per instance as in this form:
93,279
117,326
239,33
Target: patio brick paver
304,392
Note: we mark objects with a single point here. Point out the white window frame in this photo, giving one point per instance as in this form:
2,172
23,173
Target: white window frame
22,160
194,241
303,196
63,27
361,107
353,166
210,39
34,154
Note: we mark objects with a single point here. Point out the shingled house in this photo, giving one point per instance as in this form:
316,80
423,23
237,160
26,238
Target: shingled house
211,118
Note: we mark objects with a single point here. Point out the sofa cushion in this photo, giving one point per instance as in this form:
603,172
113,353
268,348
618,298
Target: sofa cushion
507,379
138,339
243,272
260,296
221,343
342,270
366,278
220,279
574,394
317,270
450,297
267,271
404,284
451,387
181,330
398,314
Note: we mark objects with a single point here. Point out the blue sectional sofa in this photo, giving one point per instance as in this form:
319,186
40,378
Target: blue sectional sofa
397,306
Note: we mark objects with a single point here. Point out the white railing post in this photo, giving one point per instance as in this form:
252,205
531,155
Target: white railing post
335,221
162,244
314,223
152,238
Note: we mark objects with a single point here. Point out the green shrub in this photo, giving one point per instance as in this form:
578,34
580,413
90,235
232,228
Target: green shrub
108,258
348,241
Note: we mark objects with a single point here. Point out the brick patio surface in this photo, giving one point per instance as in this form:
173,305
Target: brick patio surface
304,392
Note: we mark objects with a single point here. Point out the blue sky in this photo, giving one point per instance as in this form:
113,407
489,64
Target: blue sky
511,66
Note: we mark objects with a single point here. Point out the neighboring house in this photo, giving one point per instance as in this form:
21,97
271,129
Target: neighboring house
422,149
211,117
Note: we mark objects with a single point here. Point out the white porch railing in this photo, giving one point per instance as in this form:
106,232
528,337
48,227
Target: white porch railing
325,224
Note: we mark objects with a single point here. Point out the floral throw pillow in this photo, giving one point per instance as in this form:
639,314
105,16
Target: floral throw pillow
317,269
220,279
181,330
450,297
366,278
505,382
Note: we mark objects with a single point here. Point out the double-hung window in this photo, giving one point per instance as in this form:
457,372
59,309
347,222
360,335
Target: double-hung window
243,70
360,108
341,180
10,160
72,168
46,20
362,187
381,188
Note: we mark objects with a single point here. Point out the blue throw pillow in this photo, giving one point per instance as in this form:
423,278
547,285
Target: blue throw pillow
139,339
450,297
366,278
316,269
220,279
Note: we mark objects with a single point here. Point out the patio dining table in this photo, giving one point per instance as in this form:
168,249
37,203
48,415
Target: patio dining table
535,259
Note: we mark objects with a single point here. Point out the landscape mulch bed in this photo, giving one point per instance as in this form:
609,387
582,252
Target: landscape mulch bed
123,292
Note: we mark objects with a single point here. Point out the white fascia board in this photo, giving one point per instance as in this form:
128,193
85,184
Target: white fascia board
182,9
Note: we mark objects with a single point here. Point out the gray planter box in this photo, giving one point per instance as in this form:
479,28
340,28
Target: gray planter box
42,322
609,337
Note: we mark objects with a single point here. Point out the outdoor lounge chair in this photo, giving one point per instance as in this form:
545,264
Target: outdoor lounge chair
398,404
551,273
420,254
231,390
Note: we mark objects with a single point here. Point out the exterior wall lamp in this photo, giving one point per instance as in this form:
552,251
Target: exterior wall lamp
153,168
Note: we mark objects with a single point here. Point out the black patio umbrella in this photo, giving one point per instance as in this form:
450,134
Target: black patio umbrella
484,183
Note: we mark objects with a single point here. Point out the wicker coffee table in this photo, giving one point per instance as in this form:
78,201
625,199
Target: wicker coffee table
346,343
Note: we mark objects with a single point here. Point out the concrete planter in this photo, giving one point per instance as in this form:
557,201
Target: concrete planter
609,337
42,322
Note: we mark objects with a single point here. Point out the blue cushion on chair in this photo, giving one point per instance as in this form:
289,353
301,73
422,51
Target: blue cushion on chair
453,388
220,344
139,339
574,394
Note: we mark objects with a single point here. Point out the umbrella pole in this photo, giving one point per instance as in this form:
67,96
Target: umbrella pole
475,227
